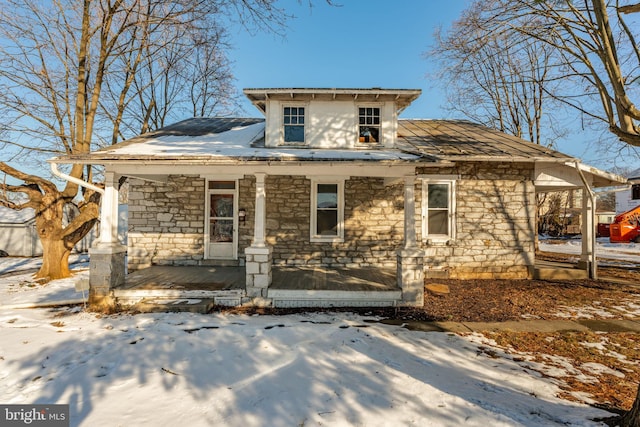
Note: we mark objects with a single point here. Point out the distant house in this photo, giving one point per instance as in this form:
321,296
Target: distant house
330,179
18,235
630,198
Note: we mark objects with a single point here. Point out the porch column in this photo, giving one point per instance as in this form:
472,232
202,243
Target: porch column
107,256
410,259
259,256
587,258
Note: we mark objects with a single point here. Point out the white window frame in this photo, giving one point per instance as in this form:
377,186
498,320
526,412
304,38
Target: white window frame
313,237
379,125
304,126
451,183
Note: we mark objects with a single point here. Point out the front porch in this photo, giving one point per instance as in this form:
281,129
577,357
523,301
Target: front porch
291,286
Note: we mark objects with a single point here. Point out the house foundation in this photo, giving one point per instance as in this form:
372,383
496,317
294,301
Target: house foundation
258,270
410,276
107,271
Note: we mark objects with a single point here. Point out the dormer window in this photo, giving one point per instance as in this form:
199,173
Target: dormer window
369,125
293,120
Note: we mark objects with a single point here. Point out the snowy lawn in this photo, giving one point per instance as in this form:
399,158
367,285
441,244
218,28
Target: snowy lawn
331,369
236,370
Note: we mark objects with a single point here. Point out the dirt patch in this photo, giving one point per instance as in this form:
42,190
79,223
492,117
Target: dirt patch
587,366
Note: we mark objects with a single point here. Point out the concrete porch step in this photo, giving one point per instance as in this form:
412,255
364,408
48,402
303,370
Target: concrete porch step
550,273
286,298
164,300
173,305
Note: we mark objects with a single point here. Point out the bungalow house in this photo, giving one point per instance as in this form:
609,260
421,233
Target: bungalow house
330,183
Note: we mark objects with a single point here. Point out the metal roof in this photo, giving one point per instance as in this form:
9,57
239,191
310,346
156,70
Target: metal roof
459,140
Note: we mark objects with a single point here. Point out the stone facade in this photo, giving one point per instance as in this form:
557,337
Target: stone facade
495,224
373,223
495,218
166,222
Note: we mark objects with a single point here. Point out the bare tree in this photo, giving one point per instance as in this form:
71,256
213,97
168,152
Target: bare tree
70,77
502,82
598,58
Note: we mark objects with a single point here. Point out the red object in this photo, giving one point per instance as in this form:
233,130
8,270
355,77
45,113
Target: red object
626,227
603,230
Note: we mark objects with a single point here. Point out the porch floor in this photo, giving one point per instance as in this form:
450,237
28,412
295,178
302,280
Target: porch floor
210,278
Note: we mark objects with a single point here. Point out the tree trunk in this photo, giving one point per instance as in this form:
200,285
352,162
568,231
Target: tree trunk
55,260
632,418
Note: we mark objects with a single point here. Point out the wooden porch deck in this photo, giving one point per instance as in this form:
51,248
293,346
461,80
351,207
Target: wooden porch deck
209,278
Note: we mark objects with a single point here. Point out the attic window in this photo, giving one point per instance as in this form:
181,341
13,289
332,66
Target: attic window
369,125
293,119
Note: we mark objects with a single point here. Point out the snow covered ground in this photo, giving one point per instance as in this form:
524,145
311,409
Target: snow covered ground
316,369
624,252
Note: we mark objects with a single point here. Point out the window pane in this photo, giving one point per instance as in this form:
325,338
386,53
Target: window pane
369,111
438,196
221,230
287,111
327,223
301,120
327,196
361,111
294,133
438,223
294,120
222,185
301,111
376,111
635,192
369,134
222,205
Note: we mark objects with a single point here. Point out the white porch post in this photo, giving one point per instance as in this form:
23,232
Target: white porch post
107,256
588,258
410,259
260,215
259,256
109,211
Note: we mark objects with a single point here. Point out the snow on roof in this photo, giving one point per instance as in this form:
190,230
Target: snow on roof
12,216
240,143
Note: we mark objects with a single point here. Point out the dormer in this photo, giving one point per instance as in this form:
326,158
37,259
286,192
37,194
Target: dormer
331,118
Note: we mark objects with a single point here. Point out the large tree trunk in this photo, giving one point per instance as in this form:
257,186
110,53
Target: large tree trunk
632,418
55,260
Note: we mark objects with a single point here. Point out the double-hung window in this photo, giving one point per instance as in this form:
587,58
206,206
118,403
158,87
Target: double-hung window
293,121
438,209
327,211
369,125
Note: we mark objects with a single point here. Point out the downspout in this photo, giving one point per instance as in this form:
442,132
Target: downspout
593,270
73,179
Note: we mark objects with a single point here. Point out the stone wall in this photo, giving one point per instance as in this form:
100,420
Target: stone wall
495,220
166,222
495,224
373,223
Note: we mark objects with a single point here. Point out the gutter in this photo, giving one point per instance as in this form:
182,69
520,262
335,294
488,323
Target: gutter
593,270
72,179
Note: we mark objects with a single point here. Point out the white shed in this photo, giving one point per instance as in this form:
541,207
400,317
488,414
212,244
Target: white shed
18,235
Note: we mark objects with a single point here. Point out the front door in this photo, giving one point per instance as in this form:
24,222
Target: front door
222,222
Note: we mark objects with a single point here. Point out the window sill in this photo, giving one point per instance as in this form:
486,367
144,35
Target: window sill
293,144
438,241
317,239
369,145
